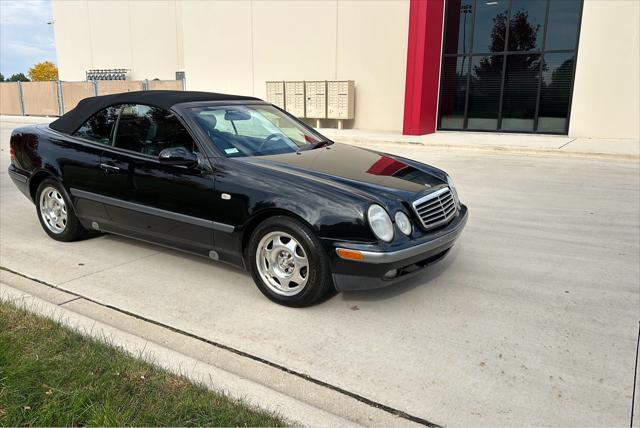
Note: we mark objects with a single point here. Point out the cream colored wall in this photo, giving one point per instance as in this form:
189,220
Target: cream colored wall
73,41
217,46
136,35
606,96
110,34
256,41
153,40
372,50
293,41
236,46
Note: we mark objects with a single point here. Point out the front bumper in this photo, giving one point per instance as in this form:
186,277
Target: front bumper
372,271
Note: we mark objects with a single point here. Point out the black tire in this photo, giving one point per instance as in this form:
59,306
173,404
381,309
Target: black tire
319,281
73,230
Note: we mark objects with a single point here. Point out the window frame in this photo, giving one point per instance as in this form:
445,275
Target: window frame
505,54
114,130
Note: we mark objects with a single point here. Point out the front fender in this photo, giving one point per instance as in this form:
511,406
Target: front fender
252,191
331,218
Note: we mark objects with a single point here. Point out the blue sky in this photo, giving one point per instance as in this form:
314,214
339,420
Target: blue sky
25,37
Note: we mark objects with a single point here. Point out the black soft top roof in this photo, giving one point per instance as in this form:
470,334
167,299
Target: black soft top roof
73,119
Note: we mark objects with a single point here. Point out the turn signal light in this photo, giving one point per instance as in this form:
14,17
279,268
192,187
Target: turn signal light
12,153
350,254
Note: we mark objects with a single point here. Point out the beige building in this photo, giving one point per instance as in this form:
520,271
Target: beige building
418,66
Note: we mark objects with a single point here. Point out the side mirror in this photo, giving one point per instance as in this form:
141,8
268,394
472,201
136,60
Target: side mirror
178,156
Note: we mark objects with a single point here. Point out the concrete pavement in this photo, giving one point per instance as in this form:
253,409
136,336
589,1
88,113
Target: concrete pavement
531,320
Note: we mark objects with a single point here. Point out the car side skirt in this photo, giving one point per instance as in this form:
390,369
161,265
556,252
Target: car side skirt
220,227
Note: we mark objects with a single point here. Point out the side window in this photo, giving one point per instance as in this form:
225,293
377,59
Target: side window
98,128
149,130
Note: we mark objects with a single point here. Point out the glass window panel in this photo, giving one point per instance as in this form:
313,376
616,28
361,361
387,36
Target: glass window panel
459,20
149,130
555,94
98,128
490,25
484,92
520,92
247,130
453,92
564,17
526,26
521,84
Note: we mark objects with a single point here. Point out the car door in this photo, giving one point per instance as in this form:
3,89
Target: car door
168,204
81,172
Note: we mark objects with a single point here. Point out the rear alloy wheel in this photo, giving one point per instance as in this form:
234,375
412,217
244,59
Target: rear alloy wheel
288,263
56,214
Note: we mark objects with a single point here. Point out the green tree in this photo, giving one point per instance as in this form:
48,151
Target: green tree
1,77
20,77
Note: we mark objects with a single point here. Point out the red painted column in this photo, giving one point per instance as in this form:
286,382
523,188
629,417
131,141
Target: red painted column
423,66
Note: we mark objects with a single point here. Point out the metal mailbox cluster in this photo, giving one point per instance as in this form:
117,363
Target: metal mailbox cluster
314,99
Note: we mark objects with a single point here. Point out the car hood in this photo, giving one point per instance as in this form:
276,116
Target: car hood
361,170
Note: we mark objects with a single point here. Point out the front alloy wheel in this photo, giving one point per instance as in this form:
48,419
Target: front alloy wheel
288,263
282,263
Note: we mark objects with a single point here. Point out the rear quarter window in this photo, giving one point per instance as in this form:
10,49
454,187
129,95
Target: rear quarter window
99,127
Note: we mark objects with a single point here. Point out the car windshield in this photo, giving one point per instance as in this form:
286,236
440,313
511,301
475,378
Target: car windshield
254,130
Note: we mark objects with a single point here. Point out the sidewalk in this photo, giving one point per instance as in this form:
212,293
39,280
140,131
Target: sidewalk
517,143
525,143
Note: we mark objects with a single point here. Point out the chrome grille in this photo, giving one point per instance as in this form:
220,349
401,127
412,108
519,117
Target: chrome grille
436,208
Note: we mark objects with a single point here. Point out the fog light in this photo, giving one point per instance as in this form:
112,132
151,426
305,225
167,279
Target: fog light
391,274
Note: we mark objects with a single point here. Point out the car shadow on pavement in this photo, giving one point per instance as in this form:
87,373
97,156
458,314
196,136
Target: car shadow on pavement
424,278
157,248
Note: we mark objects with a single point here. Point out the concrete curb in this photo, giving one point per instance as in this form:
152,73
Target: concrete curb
298,400
214,378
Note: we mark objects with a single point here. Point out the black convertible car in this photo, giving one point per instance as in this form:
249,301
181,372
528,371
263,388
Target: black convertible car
238,180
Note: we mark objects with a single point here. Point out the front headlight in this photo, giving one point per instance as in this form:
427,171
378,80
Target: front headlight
403,223
454,191
380,222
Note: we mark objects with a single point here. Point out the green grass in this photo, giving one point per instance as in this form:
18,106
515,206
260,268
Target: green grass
53,376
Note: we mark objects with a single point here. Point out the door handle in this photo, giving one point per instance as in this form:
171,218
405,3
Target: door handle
109,168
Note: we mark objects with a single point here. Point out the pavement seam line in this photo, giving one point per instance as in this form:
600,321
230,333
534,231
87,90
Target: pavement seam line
69,301
567,143
372,403
635,376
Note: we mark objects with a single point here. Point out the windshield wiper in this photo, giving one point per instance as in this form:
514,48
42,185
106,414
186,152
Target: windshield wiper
321,144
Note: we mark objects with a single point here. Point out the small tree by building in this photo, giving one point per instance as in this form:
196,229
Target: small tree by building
19,77
43,71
